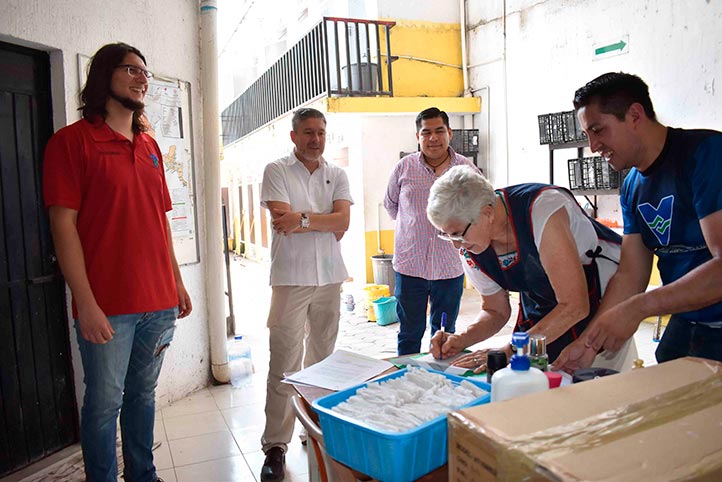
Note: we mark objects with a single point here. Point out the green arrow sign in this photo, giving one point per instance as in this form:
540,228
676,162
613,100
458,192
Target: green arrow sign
610,48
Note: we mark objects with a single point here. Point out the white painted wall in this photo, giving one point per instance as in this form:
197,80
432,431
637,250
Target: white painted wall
343,138
167,32
676,47
253,35
243,164
446,11
384,137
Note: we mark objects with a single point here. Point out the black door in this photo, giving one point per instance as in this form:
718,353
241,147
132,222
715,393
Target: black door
38,414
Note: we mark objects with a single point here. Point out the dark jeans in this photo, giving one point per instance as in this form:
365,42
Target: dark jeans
413,295
684,338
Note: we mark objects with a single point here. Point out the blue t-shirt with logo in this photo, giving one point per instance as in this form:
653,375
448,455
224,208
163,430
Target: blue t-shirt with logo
665,203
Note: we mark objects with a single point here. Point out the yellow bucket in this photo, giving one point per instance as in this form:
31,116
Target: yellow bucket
374,292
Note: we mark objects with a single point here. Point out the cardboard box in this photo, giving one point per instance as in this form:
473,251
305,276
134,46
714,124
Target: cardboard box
658,423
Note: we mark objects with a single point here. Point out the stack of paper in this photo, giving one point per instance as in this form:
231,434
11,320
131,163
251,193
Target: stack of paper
342,369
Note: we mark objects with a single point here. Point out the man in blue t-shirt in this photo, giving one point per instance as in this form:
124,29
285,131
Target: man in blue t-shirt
672,207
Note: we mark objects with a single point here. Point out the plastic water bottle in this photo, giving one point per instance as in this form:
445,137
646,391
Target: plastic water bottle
239,362
519,378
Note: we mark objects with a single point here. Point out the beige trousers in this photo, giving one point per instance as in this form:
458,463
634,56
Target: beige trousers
301,318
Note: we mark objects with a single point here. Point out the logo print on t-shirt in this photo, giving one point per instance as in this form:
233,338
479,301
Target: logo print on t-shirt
154,158
659,219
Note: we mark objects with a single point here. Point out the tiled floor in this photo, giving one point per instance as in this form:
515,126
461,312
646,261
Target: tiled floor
215,433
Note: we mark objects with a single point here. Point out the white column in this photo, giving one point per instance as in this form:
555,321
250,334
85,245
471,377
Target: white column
214,263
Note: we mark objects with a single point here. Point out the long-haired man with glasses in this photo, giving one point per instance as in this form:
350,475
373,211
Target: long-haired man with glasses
104,186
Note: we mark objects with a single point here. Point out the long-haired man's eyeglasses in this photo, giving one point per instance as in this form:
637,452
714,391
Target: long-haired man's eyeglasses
458,238
134,71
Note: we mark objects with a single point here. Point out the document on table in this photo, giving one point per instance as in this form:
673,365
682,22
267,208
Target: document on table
342,369
428,361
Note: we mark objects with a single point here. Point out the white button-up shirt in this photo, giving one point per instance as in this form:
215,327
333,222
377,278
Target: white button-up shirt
312,258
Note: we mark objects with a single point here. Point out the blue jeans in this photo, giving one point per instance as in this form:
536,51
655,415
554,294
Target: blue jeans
684,338
413,295
121,376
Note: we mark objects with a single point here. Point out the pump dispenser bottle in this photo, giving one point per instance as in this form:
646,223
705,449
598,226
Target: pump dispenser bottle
519,378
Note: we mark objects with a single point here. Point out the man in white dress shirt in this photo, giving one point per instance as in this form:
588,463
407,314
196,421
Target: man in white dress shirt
310,202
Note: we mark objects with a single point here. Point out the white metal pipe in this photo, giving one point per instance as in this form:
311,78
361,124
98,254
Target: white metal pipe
486,62
378,227
468,118
483,92
212,195
464,60
506,101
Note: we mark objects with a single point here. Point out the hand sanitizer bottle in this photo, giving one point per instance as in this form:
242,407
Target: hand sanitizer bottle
519,378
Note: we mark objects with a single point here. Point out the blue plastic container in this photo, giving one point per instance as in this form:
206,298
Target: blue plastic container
385,310
387,456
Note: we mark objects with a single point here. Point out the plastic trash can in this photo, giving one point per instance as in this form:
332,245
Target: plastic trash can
384,273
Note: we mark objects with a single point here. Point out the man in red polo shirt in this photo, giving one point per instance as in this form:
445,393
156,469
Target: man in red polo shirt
104,186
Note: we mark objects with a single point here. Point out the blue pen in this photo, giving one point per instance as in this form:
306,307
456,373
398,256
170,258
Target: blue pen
443,332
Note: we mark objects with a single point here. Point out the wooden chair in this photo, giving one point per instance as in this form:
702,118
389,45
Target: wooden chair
329,469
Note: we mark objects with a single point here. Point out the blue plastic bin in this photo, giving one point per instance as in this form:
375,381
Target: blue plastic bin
387,456
385,310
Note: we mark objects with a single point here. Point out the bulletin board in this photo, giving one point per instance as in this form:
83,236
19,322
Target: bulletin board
167,109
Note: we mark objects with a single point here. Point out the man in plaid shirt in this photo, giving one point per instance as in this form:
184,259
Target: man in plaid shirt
428,268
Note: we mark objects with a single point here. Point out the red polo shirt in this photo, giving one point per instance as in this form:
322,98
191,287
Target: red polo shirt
118,188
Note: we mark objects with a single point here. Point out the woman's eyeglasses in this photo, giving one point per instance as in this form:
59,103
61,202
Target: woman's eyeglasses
454,237
134,71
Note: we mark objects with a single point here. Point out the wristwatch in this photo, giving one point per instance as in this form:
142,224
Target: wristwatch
305,221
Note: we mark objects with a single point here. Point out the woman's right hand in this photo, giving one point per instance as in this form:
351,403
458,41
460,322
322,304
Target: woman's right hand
452,344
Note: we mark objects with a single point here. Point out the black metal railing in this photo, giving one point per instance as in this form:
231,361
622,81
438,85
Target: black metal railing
339,57
357,55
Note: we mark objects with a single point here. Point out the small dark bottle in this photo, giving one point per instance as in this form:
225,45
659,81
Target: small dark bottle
495,360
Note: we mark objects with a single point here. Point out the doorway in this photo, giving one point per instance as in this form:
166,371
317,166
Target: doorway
38,412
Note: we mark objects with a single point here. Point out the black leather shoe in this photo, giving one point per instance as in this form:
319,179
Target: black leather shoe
273,470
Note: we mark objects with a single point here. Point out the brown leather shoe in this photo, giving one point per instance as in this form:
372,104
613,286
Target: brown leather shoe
273,466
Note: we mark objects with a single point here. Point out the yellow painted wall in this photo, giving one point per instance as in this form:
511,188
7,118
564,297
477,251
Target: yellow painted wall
414,77
376,105
387,244
656,280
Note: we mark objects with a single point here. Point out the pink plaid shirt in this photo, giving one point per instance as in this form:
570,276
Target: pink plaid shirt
418,251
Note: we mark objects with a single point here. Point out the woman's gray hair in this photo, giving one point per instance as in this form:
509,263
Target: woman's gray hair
459,195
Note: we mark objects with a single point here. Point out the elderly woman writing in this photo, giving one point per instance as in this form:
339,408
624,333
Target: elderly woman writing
533,239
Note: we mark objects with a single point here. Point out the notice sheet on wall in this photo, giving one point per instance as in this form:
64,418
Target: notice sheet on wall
167,108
